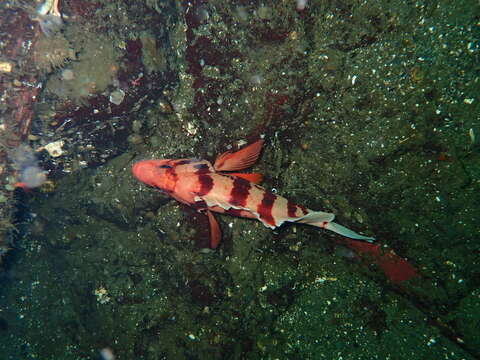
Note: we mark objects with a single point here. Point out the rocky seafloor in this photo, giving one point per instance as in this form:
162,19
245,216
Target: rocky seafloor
369,110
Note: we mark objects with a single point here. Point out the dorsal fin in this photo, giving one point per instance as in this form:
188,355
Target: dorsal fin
239,160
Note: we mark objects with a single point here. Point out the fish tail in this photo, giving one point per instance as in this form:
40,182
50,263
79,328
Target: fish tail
315,218
324,220
342,230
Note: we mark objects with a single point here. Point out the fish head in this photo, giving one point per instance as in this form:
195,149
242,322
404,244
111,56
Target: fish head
154,173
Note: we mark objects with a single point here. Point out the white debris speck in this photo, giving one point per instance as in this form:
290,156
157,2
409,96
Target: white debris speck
102,295
473,138
107,354
301,4
191,128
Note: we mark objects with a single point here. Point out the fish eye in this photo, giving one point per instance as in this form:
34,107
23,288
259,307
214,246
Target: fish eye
165,167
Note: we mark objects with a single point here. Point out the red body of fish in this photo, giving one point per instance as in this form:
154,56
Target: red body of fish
216,188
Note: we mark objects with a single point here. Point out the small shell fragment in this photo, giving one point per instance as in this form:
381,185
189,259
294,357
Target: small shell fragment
191,128
55,148
6,66
117,96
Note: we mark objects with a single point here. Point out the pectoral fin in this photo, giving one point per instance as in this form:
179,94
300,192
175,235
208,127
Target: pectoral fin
239,160
215,232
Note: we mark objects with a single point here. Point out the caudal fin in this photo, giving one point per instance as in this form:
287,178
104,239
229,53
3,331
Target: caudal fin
324,220
342,230
315,218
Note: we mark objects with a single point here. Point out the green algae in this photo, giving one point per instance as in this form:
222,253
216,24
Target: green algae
92,73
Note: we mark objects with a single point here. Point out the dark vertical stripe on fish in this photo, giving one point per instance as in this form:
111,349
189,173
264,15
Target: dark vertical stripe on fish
172,177
264,209
240,192
303,208
234,212
292,209
206,184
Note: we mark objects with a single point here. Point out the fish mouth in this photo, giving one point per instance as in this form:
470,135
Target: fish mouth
137,170
145,170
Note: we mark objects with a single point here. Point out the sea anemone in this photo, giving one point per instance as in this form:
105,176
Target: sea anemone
51,53
26,163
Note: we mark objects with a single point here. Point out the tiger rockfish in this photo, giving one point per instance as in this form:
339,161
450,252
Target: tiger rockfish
219,188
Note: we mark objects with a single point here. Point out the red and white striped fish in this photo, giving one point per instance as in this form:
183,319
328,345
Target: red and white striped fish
219,188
